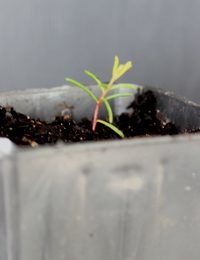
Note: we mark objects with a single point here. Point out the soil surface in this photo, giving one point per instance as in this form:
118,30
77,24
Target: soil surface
143,119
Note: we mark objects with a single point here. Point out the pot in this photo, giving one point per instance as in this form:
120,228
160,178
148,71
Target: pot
125,199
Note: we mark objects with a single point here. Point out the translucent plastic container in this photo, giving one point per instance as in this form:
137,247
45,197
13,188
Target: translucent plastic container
120,200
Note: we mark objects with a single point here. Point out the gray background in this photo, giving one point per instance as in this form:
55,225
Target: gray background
42,41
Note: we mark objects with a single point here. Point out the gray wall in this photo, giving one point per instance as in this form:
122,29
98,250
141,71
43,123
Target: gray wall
42,41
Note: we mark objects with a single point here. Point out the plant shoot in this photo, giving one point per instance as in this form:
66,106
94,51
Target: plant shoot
107,93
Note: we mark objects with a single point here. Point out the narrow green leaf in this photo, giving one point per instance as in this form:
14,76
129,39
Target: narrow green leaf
121,70
109,110
125,85
116,64
95,78
105,85
85,89
118,95
114,128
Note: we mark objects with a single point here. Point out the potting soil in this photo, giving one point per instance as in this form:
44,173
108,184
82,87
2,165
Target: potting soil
142,119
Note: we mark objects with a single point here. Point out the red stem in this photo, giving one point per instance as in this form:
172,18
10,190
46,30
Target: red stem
96,112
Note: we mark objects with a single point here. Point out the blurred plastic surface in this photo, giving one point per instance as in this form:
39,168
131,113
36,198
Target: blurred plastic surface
136,199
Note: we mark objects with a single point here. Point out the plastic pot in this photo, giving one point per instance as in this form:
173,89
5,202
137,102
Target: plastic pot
126,199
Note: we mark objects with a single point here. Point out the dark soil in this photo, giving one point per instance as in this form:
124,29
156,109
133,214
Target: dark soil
143,120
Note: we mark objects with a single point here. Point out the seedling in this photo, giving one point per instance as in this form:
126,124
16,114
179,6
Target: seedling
118,71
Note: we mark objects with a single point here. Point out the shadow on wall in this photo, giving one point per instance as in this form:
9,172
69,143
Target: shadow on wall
44,41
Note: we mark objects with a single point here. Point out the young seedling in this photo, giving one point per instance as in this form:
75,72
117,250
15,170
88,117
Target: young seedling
118,71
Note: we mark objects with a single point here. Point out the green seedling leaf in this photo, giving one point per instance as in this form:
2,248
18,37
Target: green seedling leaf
85,89
95,78
118,95
114,128
109,110
121,70
105,85
116,64
125,85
